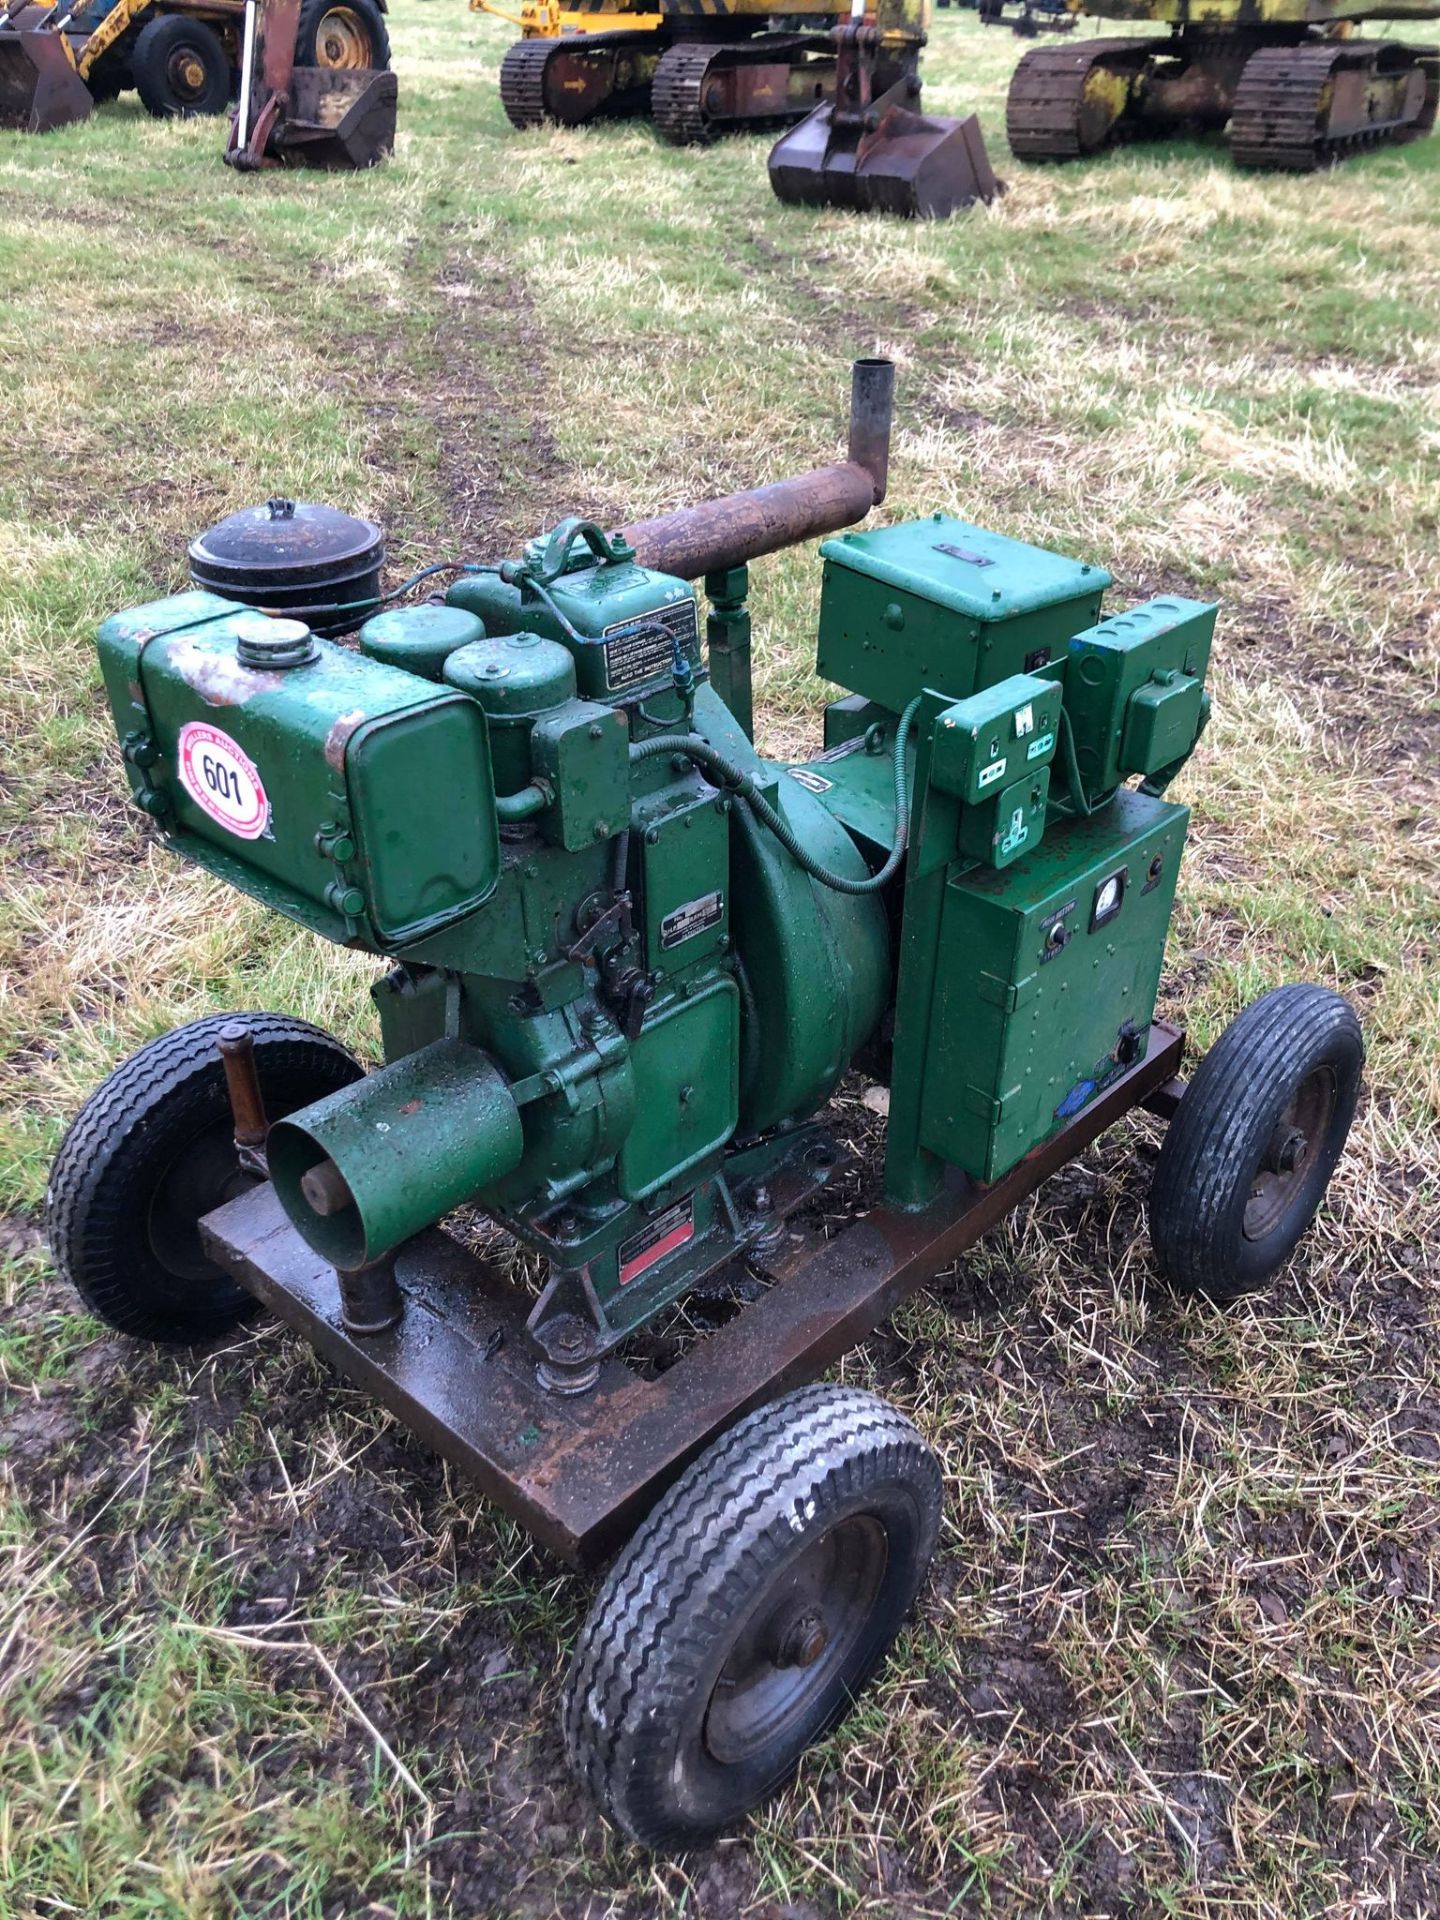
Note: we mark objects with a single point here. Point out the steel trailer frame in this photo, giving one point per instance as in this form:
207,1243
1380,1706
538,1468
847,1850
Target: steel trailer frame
580,1470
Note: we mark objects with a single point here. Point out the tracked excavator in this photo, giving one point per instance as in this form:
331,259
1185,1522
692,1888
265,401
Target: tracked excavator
1289,80
840,84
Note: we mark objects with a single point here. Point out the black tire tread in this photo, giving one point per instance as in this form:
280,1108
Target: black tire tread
1251,1065
79,1228
313,11
815,1432
147,65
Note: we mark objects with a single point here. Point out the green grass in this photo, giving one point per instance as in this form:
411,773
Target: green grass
261,1655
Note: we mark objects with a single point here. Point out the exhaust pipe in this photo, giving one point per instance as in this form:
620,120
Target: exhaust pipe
724,533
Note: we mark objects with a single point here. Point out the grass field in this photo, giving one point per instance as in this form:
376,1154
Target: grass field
259,1653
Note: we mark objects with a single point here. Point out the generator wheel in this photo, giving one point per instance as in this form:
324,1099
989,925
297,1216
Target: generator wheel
748,1610
1250,1151
349,35
180,68
150,1152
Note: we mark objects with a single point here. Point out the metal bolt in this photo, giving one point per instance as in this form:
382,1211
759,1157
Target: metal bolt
326,1190
803,1641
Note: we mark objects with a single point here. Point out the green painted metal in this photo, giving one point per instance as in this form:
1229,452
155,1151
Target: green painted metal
1134,689
686,1068
608,968
942,604
583,750
1040,999
727,642
306,786
682,844
420,639
514,677
410,1142
991,739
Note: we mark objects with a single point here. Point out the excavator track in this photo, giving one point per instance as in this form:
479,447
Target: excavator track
531,89
1285,113
683,103
1052,112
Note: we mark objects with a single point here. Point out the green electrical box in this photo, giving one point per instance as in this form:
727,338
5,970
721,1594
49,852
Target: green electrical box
942,604
1046,981
1134,689
995,737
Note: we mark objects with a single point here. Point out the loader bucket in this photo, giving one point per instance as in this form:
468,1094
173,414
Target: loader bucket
39,89
336,118
912,165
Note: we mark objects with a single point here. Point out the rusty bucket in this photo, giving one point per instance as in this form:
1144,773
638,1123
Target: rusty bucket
328,117
889,159
337,118
39,87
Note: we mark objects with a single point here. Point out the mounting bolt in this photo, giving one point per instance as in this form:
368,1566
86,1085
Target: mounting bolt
803,1641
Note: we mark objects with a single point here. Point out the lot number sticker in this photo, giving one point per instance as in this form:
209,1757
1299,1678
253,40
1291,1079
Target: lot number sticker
222,781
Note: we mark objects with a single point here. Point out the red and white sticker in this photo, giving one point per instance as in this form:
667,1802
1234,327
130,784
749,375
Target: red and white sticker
664,1235
222,780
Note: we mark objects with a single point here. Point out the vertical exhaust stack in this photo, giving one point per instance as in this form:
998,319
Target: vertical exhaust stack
739,527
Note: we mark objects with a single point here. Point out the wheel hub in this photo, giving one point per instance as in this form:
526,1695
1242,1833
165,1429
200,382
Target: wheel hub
341,41
803,1641
1284,1167
796,1638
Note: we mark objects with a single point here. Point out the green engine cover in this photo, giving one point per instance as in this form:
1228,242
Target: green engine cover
305,786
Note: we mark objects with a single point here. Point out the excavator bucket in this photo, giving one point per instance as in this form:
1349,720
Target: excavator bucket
304,116
336,119
917,166
39,87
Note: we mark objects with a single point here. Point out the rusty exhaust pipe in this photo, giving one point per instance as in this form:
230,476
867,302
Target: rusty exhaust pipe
728,532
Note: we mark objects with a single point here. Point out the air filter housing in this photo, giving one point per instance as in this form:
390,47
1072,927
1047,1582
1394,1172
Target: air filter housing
308,562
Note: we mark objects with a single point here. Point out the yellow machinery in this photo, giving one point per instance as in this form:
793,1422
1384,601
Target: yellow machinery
698,68
181,56
1287,79
841,85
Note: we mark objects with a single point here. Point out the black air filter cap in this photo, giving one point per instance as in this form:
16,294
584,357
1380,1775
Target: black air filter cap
293,540
294,557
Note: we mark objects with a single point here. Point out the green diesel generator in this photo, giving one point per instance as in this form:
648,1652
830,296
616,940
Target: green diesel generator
627,960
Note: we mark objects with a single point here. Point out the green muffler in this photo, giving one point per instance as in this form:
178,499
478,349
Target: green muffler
366,1168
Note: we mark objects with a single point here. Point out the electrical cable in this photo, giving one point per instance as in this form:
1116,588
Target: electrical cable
711,761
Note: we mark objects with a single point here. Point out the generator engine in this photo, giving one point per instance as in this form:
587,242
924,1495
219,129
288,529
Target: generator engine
631,957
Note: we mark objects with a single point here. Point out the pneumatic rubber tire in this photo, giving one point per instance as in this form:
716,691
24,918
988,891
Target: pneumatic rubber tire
748,1610
181,68
151,1152
1248,1156
347,36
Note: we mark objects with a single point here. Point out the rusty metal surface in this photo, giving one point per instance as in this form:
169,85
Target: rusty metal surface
1298,108
704,89
579,1472
719,534
1046,112
39,87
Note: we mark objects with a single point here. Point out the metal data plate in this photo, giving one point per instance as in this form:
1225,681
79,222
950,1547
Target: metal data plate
641,650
